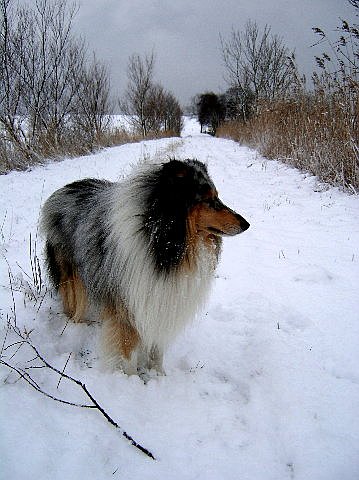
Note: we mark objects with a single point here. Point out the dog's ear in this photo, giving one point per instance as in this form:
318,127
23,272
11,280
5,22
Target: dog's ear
182,173
175,169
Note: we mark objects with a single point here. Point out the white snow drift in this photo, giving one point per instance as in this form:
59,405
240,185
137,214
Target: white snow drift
264,385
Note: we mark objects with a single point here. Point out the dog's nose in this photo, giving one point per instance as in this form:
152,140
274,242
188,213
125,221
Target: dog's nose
244,224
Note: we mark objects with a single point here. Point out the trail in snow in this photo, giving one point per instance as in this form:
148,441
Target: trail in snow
265,383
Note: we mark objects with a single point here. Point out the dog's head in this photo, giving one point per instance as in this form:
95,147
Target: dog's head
212,216
190,183
182,207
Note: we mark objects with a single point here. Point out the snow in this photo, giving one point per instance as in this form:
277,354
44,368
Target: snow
264,385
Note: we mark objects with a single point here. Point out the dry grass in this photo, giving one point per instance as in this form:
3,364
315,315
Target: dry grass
314,132
71,144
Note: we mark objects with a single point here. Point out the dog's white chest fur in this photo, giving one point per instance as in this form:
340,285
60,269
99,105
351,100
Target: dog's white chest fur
161,304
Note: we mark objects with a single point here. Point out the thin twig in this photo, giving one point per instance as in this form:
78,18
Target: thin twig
28,379
5,338
12,296
67,322
62,373
95,405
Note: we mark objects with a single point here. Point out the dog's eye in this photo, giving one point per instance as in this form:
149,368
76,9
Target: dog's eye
214,203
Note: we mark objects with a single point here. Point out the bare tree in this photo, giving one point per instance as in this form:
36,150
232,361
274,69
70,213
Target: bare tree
173,120
238,104
52,62
257,63
140,84
93,106
151,108
210,111
11,85
39,64
155,109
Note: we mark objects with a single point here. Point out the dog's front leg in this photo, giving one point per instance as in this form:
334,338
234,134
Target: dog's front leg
149,359
121,340
155,360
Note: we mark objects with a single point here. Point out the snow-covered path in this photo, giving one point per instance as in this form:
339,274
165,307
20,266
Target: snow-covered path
263,386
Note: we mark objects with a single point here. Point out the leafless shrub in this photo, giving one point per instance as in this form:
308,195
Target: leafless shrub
162,112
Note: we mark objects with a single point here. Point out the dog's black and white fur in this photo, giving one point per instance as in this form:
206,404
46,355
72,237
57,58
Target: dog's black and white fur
142,251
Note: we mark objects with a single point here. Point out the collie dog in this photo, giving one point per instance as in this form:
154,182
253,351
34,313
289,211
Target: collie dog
142,252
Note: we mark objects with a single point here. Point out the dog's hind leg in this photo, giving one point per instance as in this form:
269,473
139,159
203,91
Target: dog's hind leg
120,340
74,298
67,282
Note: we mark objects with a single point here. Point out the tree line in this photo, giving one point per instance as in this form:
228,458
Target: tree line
55,97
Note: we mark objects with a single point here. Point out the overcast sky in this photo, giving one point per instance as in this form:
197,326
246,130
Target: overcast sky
184,34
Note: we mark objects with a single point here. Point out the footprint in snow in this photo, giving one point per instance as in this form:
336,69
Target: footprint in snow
313,274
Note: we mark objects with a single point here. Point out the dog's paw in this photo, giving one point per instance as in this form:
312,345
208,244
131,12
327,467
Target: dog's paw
146,375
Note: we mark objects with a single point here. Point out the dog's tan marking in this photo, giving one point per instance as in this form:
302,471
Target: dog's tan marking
121,336
72,291
74,298
197,235
223,220
192,241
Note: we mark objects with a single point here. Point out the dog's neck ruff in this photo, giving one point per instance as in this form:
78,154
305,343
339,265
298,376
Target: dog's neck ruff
160,303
